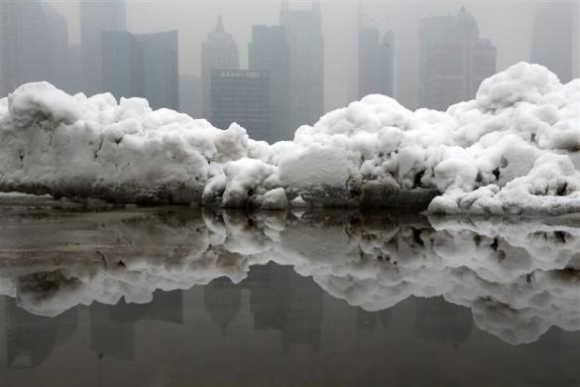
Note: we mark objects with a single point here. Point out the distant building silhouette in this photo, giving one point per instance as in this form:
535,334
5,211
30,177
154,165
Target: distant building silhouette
454,60
554,41
161,68
122,64
96,18
219,51
302,21
269,51
190,96
376,62
242,96
34,43
143,65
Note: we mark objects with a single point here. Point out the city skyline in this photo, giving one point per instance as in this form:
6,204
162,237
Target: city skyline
340,79
508,23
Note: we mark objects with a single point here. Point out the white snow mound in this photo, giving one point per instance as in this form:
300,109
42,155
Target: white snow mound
514,149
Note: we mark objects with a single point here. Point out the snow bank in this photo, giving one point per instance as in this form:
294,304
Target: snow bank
517,279
514,149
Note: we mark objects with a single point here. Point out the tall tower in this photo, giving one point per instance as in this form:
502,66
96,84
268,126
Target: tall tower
144,65
376,65
302,22
554,37
97,17
454,60
269,51
34,43
219,52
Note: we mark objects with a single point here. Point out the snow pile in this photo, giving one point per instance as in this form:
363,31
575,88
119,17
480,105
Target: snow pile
514,149
518,280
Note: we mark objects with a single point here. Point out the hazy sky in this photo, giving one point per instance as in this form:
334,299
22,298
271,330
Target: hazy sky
508,23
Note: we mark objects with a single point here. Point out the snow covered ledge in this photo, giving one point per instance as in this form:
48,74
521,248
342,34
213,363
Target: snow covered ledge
512,150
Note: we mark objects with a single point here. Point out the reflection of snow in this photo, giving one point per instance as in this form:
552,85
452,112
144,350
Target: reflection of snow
518,279
511,150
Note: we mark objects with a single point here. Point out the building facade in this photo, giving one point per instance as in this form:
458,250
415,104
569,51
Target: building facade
302,22
144,65
98,17
34,44
269,51
219,51
376,65
453,60
161,68
555,39
243,97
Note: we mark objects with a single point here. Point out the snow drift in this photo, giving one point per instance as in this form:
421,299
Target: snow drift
511,150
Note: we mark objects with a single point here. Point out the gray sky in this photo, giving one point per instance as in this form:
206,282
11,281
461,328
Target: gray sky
508,23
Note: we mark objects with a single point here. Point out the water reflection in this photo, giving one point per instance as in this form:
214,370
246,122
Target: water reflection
167,286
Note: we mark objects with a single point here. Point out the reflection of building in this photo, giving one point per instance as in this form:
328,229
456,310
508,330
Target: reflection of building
554,40
242,96
96,18
440,321
376,65
454,60
30,340
142,66
269,51
113,327
223,300
302,22
219,51
286,302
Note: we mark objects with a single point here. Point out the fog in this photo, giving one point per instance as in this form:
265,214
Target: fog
507,23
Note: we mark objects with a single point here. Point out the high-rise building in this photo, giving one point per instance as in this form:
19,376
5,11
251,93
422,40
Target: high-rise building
190,98
302,22
34,43
123,71
243,97
161,68
219,51
269,51
142,66
376,66
454,60
554,39
98,16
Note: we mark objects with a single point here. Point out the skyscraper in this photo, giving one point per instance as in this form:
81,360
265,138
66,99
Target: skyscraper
219,51
123,70
376,64
302,21
143,65
554,40
242,96
97,17
34,43
160,68
190,98
269,51
454,60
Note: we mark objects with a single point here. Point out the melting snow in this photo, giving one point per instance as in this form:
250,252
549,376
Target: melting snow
511,150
